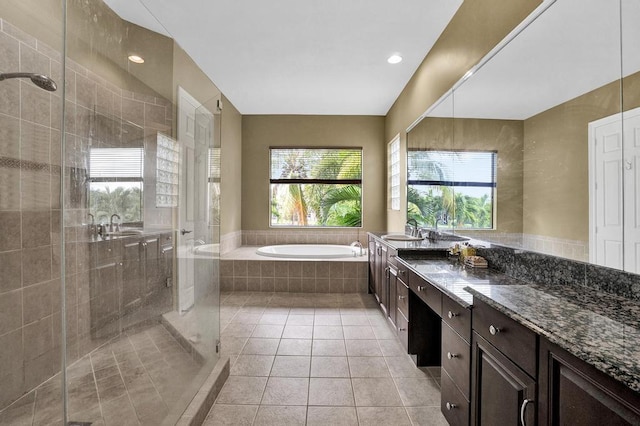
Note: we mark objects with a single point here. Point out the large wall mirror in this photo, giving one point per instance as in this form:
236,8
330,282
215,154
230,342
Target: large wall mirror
558,105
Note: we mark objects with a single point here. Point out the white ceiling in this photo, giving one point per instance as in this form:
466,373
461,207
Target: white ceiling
300,57
571,49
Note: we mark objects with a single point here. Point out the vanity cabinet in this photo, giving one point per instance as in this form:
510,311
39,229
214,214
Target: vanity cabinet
503,373
574,392
456,362
379,273
425,306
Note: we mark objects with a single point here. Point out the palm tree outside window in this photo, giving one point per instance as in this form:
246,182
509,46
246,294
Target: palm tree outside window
453,189
316,187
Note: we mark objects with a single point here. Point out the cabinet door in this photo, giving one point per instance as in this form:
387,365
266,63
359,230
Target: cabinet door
393,298
500,389
372,265
383,281
575,393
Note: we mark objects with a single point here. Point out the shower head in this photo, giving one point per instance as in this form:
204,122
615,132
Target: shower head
42,81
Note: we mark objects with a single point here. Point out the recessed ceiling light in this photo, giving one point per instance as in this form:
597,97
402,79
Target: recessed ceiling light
136,59
395,58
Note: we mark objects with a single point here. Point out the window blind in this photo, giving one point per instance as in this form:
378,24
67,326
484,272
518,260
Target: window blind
451,168
316,165
114,163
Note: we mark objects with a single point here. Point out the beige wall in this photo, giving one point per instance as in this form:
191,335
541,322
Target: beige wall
474,30
503,136
259,132
556,169
231,180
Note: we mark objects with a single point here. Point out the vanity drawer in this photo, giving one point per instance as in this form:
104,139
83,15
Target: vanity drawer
457,317
427,292
402,325
456,358
512,339
402,292
453,404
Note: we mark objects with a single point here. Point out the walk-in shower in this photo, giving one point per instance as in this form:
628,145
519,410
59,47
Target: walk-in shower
91,329
39,80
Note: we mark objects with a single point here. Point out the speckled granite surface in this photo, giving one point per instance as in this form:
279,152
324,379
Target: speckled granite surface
599,328
416,246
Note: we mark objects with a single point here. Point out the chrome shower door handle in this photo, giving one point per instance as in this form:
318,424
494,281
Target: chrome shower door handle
184,231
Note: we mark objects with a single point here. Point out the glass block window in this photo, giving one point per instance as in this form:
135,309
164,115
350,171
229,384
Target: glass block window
393,173
167,171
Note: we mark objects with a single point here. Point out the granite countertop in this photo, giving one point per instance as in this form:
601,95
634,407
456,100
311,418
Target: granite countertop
421,245
599,328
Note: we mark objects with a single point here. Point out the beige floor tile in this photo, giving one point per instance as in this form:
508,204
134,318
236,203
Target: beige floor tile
426,416
329,366
384,333
330,392
354,319
273,415
327,332
333,319
358,332
363,348
260,346
403,366
223,415
392,348
297,332
334,416
291,366
368,366
295,347
286,391
242,390
273,318
376,416
252,365
268,331
375,392
418,392
328,348
237,330
300,320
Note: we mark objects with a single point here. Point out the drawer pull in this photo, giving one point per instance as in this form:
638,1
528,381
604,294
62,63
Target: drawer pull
402,272
402,329
494,330
451,315
450,406
401,297
422,287
523,409
451,356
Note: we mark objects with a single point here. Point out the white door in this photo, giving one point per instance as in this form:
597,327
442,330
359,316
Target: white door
631,180
606,204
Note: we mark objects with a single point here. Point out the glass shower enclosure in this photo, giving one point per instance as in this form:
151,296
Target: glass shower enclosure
109,217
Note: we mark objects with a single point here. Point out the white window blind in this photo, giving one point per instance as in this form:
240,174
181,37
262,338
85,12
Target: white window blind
452,168
116,163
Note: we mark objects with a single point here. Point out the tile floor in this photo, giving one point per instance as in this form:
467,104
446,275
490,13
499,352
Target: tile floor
136,379
318,359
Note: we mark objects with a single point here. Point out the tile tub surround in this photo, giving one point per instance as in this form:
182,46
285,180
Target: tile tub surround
597,327
323,374
244,270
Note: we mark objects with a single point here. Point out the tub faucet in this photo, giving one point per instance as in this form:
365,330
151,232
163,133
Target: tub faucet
358,244
111,222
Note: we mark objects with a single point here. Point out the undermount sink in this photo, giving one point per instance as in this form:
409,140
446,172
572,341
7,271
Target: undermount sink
400,237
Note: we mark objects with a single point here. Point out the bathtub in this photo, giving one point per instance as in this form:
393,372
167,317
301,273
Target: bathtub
310,251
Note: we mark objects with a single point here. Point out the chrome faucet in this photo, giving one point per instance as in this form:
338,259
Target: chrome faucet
358,244
413,224
111,222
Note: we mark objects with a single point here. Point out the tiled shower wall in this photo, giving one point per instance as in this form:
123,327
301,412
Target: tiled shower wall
30,211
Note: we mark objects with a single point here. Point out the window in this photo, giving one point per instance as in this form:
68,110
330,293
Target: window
455,189
167,171
393,184
213,186
316,187
115,176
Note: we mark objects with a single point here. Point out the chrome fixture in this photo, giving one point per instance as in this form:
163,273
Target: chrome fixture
42,81
412,224
111,223
358,244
